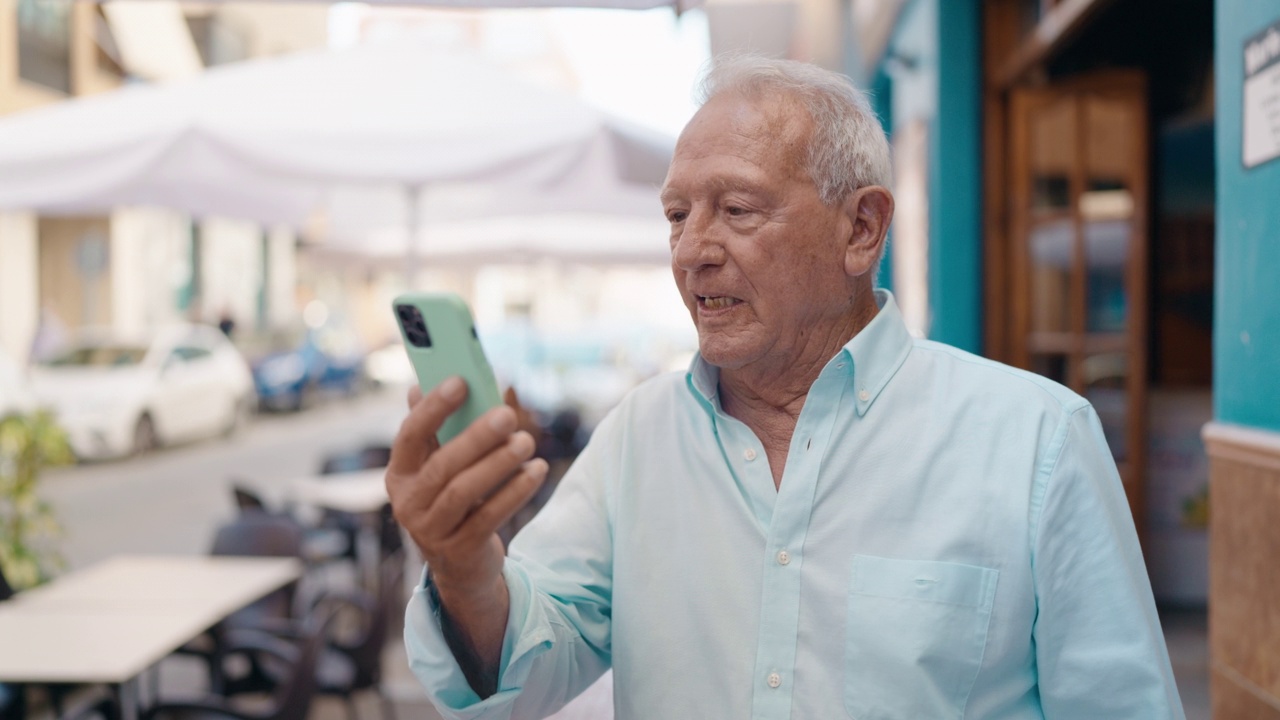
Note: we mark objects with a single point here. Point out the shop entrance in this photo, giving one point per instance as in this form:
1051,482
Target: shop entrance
1099,225
1079,205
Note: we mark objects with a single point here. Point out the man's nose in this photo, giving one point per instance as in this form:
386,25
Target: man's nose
698,244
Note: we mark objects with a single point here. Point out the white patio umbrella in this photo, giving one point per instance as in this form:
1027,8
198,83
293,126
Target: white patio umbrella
357,135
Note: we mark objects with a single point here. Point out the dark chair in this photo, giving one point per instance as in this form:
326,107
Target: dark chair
255,534
246,499
294,649
353,662
367,457
320,545
261,535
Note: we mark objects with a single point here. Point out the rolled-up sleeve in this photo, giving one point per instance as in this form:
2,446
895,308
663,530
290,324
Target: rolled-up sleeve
1100,652
559,579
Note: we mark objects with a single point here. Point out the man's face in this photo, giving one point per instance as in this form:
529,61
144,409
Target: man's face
757,257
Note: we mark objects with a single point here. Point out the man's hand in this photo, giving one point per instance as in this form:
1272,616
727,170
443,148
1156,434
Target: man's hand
452,499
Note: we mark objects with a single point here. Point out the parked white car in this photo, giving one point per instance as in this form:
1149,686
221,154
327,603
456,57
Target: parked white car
15,396
116,394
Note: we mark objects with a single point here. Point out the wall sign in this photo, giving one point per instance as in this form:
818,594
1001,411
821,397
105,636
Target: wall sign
1262,97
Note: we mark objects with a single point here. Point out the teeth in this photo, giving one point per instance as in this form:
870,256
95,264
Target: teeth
717,303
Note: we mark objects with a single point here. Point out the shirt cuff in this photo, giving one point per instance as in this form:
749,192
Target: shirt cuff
528,635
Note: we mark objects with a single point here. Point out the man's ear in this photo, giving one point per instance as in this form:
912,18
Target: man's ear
870,209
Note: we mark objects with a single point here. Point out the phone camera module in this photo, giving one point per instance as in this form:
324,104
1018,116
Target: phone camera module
415,328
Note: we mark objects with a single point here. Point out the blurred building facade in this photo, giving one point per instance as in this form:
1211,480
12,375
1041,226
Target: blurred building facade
1075,198
136,268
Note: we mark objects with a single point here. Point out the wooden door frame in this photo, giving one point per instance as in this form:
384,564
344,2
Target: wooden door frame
1015,61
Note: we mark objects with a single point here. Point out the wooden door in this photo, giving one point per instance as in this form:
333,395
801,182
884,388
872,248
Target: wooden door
1078,250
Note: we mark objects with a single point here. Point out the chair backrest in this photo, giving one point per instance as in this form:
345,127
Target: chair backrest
292,699
246,499
258,534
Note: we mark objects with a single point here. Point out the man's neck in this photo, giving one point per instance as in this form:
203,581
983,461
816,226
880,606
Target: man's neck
768,398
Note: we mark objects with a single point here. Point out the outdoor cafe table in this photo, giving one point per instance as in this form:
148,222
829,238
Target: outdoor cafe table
110,622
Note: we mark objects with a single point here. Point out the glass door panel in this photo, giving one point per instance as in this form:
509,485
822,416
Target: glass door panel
1051,238
1111,135
1078,169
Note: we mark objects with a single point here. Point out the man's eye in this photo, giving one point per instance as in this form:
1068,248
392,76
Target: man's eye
735,211
676,216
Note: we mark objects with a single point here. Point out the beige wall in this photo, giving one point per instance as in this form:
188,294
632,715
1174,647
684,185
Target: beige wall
278,28
86,76
19,291
282,278
1244,572
63,288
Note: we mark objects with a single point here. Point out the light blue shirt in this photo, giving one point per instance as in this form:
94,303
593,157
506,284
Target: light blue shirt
950,540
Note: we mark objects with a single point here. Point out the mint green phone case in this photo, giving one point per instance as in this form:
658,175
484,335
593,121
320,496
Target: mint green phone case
450,347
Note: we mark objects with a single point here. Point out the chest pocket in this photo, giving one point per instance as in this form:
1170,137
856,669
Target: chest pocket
915,634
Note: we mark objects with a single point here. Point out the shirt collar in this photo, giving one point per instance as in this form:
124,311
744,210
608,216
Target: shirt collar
877,351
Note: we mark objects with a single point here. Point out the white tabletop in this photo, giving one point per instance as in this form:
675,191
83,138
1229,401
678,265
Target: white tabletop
364,491
109,622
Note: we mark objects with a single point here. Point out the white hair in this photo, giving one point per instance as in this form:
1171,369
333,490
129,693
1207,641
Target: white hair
847,149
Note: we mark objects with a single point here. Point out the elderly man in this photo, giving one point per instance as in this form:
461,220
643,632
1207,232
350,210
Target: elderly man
822,518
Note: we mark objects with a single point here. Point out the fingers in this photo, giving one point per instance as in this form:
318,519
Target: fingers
471,487
504,503
491,430
415,395
417,437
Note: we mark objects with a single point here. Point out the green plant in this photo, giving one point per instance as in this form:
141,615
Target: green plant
28,529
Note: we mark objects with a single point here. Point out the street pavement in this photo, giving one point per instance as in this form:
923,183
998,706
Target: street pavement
173,500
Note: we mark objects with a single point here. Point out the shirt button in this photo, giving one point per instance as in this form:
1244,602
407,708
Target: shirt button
749,454
774,680
863,395
783,558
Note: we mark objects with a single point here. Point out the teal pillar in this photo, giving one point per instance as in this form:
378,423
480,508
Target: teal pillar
1246,337
955,179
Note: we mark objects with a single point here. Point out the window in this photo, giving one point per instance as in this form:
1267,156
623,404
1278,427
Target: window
44,43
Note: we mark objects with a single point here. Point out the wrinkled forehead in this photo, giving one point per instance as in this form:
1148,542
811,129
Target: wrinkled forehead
768,129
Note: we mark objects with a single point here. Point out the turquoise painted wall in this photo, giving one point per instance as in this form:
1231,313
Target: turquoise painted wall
933,68
955,192
1246,342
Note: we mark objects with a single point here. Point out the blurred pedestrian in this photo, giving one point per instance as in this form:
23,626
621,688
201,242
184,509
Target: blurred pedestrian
822,518
226,322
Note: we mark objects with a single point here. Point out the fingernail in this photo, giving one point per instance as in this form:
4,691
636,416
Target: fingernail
452,388
503,420
521,443
537,468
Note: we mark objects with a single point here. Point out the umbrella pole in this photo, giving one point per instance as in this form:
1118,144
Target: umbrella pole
412,259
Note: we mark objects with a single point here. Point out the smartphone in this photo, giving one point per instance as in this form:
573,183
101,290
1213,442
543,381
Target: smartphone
440,337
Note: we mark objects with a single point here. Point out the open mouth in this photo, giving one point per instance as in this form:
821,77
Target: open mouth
717,302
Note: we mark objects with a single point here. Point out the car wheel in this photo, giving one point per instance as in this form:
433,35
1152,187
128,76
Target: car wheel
144,436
